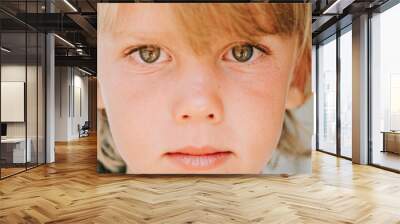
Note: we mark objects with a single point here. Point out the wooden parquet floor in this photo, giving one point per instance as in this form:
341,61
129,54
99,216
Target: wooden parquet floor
70,191
10,171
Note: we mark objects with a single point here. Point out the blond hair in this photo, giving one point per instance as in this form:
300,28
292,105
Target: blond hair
201,22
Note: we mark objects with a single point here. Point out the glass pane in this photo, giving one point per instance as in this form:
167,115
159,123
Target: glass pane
314,77
41,98
346,94
22,89
13,86
31,100
31,87
385,86
327,96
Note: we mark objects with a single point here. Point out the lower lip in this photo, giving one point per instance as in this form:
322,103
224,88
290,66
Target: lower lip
199,162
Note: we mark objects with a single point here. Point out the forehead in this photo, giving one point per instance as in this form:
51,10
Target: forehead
143,18
197,24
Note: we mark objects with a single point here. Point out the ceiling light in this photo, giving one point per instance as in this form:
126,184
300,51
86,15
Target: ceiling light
5,50
337,7
84,71
328,10
70,5
65,41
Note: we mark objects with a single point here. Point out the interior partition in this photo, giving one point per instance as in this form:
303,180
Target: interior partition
22,98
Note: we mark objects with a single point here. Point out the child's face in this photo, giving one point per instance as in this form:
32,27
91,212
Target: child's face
172,110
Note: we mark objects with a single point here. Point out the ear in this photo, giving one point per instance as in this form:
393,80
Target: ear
100,103
294,98
299,83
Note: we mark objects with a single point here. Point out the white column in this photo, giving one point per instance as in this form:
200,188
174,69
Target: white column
50,92
360,90
50,100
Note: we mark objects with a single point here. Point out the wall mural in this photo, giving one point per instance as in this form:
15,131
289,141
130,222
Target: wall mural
204,88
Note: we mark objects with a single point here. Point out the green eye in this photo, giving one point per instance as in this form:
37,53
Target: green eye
242,53
149,54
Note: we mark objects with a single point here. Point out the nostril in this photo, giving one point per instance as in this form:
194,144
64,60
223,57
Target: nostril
185,116
211,116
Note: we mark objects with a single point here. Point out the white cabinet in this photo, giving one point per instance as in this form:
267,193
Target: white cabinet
19,154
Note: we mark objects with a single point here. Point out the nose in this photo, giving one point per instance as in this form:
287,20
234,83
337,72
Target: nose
199,102
199,108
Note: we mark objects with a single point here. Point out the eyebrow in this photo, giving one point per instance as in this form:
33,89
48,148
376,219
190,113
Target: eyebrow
140,36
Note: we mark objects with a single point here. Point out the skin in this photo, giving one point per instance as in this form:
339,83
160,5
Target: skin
156,108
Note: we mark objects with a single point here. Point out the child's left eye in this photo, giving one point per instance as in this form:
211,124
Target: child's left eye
148,54
243,53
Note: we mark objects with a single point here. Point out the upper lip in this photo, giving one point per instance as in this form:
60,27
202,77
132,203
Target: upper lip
197,151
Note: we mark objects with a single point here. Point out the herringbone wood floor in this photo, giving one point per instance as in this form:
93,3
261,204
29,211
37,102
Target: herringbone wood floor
70,191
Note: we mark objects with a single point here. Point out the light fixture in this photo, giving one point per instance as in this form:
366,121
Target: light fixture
329,9
70,5
84,71
5,50
80,51
65,41
337,7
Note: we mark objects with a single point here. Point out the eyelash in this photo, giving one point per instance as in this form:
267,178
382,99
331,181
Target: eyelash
261,48
264,50
133,50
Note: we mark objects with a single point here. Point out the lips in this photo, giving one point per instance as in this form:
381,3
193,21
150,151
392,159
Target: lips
199,158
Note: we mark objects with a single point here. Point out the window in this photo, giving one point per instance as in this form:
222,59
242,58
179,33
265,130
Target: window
327,96
385,89
346,93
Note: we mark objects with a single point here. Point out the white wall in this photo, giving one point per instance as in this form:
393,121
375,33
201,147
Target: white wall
71,87
33,127
62,81
79,117
12,73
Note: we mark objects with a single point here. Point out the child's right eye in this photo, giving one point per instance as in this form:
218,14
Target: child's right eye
148,54
242,53
245,53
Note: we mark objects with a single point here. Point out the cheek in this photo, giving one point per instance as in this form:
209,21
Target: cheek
257,109
134,108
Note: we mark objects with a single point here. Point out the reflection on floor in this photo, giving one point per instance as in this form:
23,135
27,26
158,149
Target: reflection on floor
70,191
387,159
11,169
346,152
